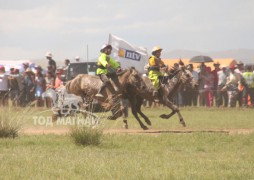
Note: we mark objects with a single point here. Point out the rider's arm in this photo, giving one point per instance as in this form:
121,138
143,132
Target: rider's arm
114,64
103,60
161,63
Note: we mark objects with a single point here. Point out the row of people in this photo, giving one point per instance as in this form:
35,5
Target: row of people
224,86
24,88
218,84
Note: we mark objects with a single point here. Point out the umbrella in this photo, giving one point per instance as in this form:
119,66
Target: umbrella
201,59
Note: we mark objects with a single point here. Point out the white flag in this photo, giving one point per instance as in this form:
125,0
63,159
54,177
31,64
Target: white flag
128,55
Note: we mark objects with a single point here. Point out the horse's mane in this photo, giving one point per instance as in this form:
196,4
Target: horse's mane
131,69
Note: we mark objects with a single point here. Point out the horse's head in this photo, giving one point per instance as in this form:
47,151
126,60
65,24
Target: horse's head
136,81
187,77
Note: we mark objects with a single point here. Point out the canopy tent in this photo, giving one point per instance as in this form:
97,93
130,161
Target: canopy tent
223,62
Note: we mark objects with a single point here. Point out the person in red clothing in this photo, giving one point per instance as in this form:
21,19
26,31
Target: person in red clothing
209,83
215,81
58,80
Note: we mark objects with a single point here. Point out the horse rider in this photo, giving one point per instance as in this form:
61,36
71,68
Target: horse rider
155,67
107,67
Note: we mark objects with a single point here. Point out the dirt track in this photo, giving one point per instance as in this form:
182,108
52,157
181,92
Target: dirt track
33,131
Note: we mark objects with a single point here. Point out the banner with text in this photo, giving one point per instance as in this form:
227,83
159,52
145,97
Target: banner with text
127,54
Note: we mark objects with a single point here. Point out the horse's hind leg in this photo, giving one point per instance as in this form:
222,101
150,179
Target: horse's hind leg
167,116
116,109
175,109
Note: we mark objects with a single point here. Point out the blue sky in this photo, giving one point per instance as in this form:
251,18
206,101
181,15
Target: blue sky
28,28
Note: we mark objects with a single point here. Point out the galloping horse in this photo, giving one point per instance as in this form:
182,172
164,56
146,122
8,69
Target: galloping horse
167,91
85,85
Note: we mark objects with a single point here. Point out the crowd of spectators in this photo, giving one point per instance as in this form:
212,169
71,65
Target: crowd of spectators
223,87
25,87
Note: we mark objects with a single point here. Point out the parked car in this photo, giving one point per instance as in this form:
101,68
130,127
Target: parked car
77,68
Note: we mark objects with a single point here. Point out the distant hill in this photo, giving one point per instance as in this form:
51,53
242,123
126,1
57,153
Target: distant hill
245,55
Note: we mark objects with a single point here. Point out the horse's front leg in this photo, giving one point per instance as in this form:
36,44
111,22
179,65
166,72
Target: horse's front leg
124,107
138,107
133,102
174,109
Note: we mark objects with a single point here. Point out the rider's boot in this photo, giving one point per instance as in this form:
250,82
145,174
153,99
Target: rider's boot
156,97
115,85
99,92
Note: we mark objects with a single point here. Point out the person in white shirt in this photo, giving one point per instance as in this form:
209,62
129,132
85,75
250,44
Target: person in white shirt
233,81
240,70
3,87
222,96
191,94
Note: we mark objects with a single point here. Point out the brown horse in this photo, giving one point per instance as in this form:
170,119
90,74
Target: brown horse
167,92
87,86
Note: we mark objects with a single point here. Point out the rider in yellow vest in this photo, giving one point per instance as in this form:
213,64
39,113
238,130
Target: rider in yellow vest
106,67
249,89
155,64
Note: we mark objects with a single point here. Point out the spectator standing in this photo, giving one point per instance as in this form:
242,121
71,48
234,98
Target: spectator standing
58,80
240,70
14,86
249,90
38,69
50,84
51,62
50,81
28,91
215,75
201,84
50,69
231,86
192,93
66,65
40,86
3,86
25,66
179,98
208,86
222,96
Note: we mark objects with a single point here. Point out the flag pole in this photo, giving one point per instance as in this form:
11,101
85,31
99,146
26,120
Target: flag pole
87,58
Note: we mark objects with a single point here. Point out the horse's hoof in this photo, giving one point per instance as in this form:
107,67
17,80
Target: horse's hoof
111,118
145,128
182,122
164,116
148,122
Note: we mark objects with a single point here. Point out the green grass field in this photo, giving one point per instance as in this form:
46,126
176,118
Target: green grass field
198,155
